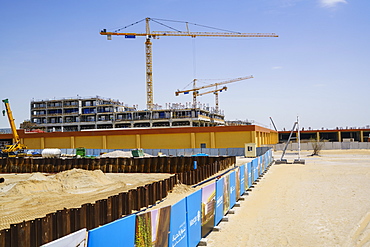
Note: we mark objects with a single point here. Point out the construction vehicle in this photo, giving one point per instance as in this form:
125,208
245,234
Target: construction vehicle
196,89
17,148
157,34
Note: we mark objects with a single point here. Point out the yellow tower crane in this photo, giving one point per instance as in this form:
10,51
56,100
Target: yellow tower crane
215,92
156,34
196,93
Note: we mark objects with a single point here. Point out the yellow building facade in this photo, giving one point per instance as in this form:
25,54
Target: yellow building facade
155,138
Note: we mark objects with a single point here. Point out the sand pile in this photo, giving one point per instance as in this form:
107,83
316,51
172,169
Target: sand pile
117,154
68,181
121,154
36,183
76,179
28,196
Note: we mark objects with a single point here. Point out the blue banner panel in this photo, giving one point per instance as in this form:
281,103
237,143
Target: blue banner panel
232,189
208,208
260,161
193,208
255,169
75,239
242,179
249,174
178,229
219,212
117,233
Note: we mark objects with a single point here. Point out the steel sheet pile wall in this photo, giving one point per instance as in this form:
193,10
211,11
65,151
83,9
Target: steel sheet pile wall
91,215
107,165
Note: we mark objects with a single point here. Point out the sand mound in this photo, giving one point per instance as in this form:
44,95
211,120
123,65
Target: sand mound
117,154
121,154
78,179
37,176
67,181
29,187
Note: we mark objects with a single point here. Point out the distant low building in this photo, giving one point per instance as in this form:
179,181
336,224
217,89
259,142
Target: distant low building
331,135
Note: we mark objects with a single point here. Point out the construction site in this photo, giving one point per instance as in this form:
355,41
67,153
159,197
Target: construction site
94,171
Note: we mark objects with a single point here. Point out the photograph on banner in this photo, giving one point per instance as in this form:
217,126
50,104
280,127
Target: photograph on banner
152,227
178,228
219,211
226,193
208,208
237,184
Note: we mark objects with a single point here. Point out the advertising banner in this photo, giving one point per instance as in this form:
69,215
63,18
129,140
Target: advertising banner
260,160
117,233
242,180
178,229
219,212
255,169
193,207
152,228
237,183
232,189
75,239
226,193
249,174
208,208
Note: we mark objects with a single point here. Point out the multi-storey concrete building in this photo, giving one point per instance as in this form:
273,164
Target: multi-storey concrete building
75,114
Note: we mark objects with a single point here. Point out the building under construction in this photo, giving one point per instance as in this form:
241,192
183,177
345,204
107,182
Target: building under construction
76,114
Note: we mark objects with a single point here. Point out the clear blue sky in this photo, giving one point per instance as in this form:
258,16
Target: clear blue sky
318,68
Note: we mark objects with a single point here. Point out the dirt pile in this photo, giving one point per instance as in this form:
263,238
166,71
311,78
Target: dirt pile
28,196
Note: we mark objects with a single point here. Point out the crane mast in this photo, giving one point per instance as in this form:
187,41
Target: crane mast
156,34
9,113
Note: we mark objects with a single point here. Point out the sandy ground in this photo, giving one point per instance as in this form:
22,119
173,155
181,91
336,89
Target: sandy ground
30,196
325,202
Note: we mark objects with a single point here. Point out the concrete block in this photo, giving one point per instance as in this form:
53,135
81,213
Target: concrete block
225,219
296,161
216,229
283,161
203,242
231,211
